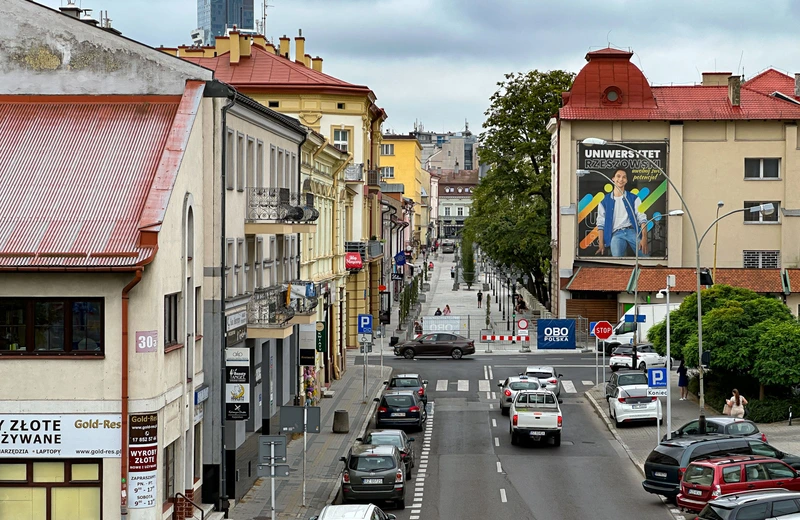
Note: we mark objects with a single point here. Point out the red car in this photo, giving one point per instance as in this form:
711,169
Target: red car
705,480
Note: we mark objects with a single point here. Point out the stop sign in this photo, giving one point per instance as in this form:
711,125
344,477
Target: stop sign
603,330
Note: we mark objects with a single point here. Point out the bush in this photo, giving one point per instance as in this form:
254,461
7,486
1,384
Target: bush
771,409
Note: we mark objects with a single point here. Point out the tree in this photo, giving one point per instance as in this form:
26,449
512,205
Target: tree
778,354
467,260
510,217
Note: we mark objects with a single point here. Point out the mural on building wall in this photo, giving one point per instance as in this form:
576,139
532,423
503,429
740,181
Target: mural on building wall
619,192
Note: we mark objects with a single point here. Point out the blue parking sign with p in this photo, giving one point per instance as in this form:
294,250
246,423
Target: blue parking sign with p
365,323
657,377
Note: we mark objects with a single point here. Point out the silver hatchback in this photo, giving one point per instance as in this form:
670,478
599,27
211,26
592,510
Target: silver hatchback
512,385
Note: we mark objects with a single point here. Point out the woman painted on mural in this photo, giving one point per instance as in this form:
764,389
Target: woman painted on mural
619,213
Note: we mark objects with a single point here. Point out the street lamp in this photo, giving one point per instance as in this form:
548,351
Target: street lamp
716,235
670,283
766,209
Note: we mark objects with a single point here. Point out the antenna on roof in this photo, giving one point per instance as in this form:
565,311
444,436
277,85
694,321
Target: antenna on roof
740,64
263,28
608,40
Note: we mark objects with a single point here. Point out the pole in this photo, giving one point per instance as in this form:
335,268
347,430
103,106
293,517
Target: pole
272,480
305,438
716,236
669,385
364,358
604,362
658,419
383,333
596,366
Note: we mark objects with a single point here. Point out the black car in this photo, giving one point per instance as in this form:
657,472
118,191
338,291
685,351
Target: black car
436,344
724,425
400,408
665,465
754,505
408,382
396,438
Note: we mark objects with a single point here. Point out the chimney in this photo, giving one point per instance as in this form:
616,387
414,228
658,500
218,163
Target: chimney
284,48
271,48
233,38
735,90
260,40
797,84
71,10
307,60
223,44
244,45
316,64
715,79
299,49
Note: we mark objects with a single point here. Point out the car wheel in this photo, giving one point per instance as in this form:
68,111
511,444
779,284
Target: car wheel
514,438
616,421
408,353
557,439
503,411
643,366
401,504
456,353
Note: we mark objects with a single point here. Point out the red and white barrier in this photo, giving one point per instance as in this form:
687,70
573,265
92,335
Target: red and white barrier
505,338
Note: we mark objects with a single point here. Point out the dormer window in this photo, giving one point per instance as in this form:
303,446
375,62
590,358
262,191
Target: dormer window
612,96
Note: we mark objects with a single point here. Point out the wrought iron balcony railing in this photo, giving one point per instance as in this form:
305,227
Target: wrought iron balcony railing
267,308
304,297
375,248
280,205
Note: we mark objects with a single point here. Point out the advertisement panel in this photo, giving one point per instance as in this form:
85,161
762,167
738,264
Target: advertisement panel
237,384
142,460
60,436
619,191
555,334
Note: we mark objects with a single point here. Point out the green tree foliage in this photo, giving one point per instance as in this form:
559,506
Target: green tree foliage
777,359
510,216
467,260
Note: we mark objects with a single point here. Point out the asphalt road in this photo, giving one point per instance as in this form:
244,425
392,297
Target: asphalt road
473,472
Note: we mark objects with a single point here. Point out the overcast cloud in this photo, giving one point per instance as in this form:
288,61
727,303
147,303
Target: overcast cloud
438,61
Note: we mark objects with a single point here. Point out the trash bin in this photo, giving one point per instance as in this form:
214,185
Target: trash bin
341,421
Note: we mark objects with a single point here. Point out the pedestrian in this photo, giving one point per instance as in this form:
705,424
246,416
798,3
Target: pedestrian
417,328
438,312
430,266
736,404
480,298
453,272
446,310
683,381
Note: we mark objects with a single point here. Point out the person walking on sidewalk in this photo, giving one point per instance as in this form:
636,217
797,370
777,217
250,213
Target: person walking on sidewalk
736,404
683,381
446,310
480,298
453,272
438,311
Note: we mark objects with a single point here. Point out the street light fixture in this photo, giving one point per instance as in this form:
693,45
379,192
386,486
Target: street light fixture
670,283
766,209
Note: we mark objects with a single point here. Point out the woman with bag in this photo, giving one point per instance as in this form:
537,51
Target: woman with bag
683,381
736,405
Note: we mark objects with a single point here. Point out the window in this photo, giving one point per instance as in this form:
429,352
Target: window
387,172
762,168
260,180
784,507
341,139
249,266
240,162
238,275
732,474
274,104
761,259
340,106
251,164
778,470
198,450
259,255
229,162
754,512
171,319
387,149
169,471
460,211
758,216
447,211
198,310
51,325
229,260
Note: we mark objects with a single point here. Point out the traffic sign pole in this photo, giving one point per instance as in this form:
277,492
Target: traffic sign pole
596,367
602,330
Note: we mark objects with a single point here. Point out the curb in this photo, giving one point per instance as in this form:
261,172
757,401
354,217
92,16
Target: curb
370,411
639,465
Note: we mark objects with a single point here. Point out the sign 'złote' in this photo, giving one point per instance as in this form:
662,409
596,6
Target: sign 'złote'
60,436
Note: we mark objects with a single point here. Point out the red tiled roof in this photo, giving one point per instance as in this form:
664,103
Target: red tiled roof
81,173
758,280
265,69
794,279
770,81
653,279
608,279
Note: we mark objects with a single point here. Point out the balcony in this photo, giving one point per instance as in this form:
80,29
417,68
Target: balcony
268,316
279,211
373,178
304,302
374,249
354,173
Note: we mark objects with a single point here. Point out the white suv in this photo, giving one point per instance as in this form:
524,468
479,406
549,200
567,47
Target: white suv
353,512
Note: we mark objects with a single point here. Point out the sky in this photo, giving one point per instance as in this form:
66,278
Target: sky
439,61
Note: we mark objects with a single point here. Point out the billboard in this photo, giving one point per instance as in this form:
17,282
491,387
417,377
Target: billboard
555,334
619,192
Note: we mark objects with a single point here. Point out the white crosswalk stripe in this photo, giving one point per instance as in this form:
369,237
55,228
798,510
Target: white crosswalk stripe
441,385
587,383
569,387
483,385
463,385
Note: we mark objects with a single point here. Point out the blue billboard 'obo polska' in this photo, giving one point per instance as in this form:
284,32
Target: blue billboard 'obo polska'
555,334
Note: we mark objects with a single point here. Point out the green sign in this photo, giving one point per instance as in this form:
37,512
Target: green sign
322,336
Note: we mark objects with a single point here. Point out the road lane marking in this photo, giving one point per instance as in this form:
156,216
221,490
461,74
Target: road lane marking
488,395
587,383
491,406
463,385
496,441
569,387
494,396
441,385
485,372
499,467
494,423
503,496
483,385
491,376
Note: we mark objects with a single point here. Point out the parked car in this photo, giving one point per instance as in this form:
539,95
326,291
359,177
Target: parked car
396,438
706,480
408,382
547,376
624,378
668,461
512,385
400,408
754,505
353,512
535,415
436,344
631,403
373,473
723,424
448,246
646,356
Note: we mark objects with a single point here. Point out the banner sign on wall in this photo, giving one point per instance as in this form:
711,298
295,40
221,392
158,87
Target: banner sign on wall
321,338
555,334
142,460
60,436
611,213
237,384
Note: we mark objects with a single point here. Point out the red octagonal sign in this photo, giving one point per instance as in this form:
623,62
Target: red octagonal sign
603,329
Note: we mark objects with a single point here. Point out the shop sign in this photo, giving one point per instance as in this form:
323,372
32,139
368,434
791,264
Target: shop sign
236,320
308,357
237,335
142,460
201,394
60,436
237,384
321,337
353,261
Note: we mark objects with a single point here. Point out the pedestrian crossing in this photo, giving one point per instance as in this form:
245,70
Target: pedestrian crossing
485,385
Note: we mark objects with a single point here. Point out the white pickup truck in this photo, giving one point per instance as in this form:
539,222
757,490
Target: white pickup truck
535,415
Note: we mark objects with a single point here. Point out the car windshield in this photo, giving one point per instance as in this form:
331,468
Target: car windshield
666,455
524,385
542,374
536,401
696,474
371,463
402,383
391,440
399,400
714,512
637,378
619,351
742,428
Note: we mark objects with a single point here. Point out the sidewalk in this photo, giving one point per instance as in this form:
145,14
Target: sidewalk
639,440
323,467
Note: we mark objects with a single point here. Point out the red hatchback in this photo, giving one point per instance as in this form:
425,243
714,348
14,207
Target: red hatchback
705,480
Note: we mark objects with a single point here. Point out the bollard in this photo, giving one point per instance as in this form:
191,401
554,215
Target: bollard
341,421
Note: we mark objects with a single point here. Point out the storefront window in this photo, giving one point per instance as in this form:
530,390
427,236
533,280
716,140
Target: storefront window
48,472
11,472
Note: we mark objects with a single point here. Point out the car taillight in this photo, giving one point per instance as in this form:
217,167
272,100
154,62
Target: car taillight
621,399
559,421
717,491
764,437
413,409
515,419
421,392
399,476
382,409
654,399
552,381
346,477
472,344
507,392
680,473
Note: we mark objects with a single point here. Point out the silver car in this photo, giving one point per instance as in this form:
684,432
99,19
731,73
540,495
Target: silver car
512,385
547,376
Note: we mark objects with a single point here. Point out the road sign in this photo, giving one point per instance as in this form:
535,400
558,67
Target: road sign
602,329
365,323
522,323
656,392
640,318
657,378
367,346
292,419
281,470
365,338
264,452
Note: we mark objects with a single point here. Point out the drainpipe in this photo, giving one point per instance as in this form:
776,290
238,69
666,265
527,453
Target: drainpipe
301,202
137,277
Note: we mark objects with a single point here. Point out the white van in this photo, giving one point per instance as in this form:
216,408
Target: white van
624,331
